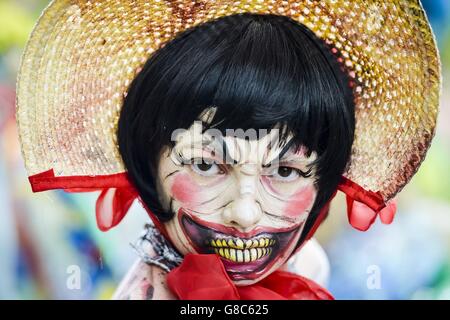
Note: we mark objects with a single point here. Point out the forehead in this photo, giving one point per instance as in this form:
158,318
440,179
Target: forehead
242,146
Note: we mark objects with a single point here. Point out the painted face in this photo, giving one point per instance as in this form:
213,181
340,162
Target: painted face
245,200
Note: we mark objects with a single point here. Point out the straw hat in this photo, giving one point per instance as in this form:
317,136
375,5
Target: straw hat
82,56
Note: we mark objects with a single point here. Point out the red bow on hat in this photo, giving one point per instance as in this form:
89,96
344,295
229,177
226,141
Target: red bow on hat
363,206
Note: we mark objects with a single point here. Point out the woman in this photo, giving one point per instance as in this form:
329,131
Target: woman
237,123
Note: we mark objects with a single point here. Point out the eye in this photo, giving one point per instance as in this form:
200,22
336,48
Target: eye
206,168
285,173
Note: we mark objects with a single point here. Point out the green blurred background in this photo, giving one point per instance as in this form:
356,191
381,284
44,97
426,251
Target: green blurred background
45,237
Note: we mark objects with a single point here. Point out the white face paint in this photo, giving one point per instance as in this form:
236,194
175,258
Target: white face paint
250,212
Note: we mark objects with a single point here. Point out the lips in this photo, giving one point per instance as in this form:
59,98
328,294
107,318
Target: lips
244,255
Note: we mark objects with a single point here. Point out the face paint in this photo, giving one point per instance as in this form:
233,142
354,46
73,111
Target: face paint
245,255
184,189
250,211
300,201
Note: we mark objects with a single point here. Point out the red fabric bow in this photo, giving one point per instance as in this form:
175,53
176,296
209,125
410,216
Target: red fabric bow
116,201
361,216
363,206
203,277
113,204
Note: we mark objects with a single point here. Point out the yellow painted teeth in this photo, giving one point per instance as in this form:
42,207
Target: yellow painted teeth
241,244
241,250
246,255
262,242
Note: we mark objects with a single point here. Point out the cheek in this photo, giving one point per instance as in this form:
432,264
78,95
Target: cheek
184,189
300,201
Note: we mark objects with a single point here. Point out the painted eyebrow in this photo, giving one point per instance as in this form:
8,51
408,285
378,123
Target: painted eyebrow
223,145
283,151
226,152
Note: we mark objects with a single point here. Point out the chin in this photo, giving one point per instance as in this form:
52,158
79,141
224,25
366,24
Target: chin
247,282
247,257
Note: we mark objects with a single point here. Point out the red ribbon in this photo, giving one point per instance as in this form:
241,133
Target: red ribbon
364,206
112,205
117,193
361,216
188,282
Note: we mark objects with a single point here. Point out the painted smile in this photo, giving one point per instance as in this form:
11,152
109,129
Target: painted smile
244,255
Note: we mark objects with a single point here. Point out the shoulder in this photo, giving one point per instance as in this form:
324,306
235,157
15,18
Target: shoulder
147,281
311,262
144,282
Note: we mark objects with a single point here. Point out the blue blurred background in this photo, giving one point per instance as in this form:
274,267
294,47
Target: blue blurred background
45,237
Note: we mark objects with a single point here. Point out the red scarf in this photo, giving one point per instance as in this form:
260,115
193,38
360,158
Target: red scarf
203,277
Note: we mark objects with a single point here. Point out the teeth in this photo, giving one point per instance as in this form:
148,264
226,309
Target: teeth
247,255
253,254
227,253
233,255
239,256
259,252
261,242
240,244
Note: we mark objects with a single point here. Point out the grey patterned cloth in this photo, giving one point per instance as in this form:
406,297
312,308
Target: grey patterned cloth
166,256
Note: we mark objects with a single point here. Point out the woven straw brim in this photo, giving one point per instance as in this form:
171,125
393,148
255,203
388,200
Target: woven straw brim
82,56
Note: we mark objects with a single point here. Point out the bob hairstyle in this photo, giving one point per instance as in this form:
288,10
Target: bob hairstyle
259,71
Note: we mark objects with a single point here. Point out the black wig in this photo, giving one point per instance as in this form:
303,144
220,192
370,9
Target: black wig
259,71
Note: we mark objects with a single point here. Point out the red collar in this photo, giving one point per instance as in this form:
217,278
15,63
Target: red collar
203,277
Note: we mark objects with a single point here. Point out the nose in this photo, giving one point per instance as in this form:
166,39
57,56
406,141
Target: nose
244,212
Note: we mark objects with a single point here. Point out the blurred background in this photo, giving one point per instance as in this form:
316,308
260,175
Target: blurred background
47,237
